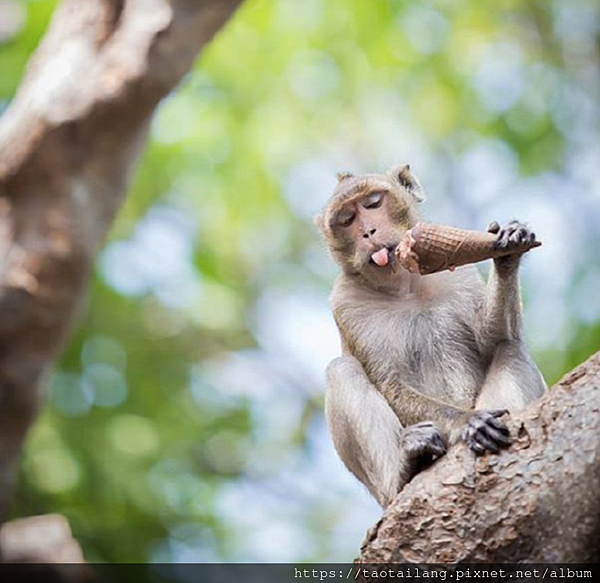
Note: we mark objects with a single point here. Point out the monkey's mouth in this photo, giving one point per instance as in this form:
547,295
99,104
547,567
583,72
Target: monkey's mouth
385,256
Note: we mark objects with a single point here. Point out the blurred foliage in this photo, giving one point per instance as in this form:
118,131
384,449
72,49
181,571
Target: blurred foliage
184,421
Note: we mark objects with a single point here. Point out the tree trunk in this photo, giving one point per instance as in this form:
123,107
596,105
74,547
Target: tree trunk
538,501
68,144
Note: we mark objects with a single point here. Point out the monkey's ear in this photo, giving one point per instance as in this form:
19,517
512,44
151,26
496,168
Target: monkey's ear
408,181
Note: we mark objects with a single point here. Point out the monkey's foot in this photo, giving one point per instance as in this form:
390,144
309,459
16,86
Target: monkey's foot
513,235
484,431
423,444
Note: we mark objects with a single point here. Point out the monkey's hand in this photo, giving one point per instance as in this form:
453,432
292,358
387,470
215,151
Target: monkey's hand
512,236
423,444
484,431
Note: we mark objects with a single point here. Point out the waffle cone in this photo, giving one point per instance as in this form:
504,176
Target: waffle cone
429,248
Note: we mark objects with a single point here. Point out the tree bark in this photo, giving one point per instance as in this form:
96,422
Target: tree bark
68,144
538,501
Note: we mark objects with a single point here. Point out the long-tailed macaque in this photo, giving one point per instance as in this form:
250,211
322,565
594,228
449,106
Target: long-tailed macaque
426,360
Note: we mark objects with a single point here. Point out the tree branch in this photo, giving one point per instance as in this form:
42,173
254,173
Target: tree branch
68,144
535,502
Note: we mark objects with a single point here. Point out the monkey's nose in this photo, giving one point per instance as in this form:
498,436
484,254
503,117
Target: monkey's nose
369,233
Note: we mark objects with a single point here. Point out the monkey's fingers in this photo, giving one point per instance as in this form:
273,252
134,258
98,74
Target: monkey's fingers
431,451
483,439
474,445
493,227
423,442
484,432
514,235
498,412
437,447
499,434
497,425
478,442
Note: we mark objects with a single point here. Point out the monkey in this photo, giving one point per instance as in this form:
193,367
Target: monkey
426,361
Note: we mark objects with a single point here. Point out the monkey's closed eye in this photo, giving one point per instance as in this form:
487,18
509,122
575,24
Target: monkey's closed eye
345,218
373,200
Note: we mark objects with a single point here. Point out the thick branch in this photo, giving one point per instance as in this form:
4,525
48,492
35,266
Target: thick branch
68,144
536,502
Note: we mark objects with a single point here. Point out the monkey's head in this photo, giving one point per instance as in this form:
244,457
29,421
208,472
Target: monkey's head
366,217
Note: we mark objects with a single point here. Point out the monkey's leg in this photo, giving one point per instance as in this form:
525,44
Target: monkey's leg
513,380
368,436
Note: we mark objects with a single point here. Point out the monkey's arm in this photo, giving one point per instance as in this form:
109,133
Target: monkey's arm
500,316
368,436
512,380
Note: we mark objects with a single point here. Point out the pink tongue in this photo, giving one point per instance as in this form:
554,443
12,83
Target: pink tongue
381,257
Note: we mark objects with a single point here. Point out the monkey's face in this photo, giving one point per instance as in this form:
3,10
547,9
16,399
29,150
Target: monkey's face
370,227
366,219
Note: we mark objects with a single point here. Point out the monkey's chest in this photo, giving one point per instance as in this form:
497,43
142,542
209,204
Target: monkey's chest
434,352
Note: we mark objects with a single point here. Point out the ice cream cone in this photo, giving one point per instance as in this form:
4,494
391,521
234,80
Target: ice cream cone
429,248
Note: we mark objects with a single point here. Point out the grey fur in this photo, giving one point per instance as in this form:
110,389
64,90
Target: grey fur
431,349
